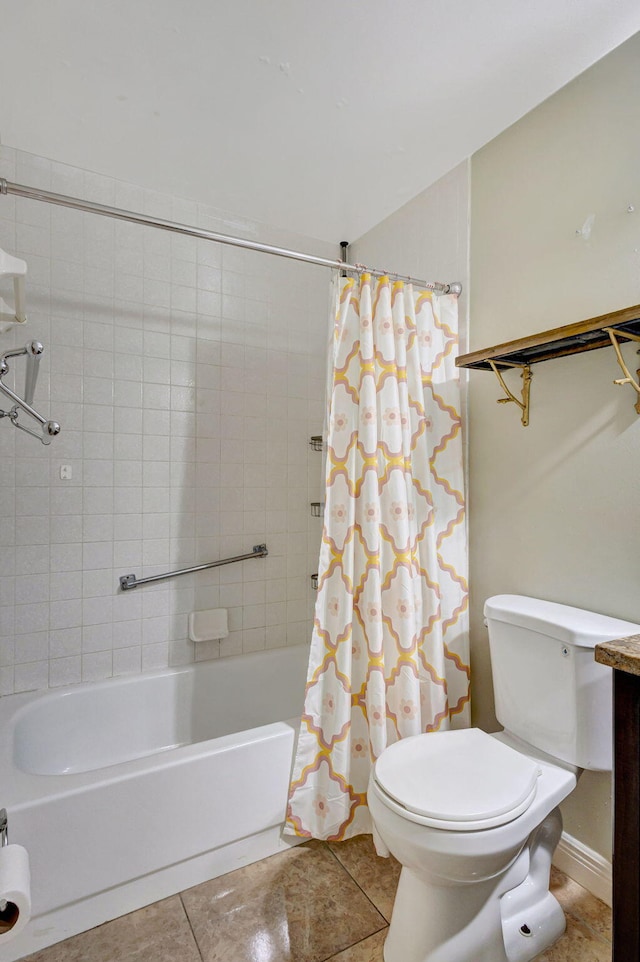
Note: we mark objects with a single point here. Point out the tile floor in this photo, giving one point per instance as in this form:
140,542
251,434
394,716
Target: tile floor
313,903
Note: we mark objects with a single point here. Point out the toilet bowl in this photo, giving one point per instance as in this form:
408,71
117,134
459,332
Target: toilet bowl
472,817
474,823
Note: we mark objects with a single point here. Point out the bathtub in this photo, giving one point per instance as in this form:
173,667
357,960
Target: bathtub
129,790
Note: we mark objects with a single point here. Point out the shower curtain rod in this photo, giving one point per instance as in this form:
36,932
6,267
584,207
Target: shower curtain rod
62,200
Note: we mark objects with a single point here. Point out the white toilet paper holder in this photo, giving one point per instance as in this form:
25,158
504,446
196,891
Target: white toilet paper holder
15,886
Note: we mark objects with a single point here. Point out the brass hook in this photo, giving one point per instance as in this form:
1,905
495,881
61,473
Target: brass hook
628,376
526,388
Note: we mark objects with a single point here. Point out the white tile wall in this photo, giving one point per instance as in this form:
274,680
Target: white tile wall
187,378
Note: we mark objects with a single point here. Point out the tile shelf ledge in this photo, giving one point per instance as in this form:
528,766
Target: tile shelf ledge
607,330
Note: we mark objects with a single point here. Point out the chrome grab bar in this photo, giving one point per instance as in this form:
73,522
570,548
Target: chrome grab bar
130,581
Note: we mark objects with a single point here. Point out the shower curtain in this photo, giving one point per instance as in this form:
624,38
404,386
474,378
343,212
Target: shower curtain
389,652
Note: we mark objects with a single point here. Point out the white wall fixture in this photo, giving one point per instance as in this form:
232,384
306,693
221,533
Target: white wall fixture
14,270
209,625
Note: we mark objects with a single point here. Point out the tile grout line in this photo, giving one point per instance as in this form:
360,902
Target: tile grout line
597,936
573,911
354,944
355,881
184,909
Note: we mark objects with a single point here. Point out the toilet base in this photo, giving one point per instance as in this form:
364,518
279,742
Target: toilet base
532,919
545,924
509,918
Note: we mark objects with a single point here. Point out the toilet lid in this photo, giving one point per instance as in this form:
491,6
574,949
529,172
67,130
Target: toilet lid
458,777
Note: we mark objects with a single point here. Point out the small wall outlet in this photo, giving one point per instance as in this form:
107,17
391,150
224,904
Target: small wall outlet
66,472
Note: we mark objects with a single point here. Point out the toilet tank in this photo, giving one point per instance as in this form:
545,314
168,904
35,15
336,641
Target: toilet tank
549,690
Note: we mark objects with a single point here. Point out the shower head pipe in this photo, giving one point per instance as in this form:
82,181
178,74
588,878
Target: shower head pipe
33,351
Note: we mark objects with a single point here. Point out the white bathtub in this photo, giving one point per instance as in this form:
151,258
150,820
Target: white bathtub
132,789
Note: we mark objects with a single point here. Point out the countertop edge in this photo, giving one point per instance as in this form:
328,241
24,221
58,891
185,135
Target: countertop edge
622,654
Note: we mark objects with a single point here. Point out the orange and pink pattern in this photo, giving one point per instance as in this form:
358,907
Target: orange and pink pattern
389,652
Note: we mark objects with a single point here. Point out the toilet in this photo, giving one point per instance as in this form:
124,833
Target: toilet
472,817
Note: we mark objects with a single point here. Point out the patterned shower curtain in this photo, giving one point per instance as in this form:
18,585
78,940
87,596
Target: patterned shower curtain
389,652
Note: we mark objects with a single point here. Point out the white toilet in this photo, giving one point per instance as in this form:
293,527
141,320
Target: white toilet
473,818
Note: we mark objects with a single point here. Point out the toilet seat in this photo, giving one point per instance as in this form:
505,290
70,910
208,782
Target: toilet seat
457,781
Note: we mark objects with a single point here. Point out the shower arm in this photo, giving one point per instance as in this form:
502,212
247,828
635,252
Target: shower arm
33,352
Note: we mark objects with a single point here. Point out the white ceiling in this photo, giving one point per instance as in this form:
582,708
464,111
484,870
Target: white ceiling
320,117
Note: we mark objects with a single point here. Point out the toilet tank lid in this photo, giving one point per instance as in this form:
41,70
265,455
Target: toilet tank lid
573,626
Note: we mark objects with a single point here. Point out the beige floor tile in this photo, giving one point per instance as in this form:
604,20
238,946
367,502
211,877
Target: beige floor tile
157,933
578,944
369,950
581,904
377,877
298,906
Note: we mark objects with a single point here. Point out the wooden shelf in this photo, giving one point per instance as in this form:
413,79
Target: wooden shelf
559,342
604,331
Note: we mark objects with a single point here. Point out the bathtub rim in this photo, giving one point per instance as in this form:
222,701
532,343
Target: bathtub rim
22,789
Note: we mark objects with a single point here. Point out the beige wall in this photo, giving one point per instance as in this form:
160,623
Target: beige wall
427,238
554,509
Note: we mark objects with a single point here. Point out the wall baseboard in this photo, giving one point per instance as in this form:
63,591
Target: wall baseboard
583,865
